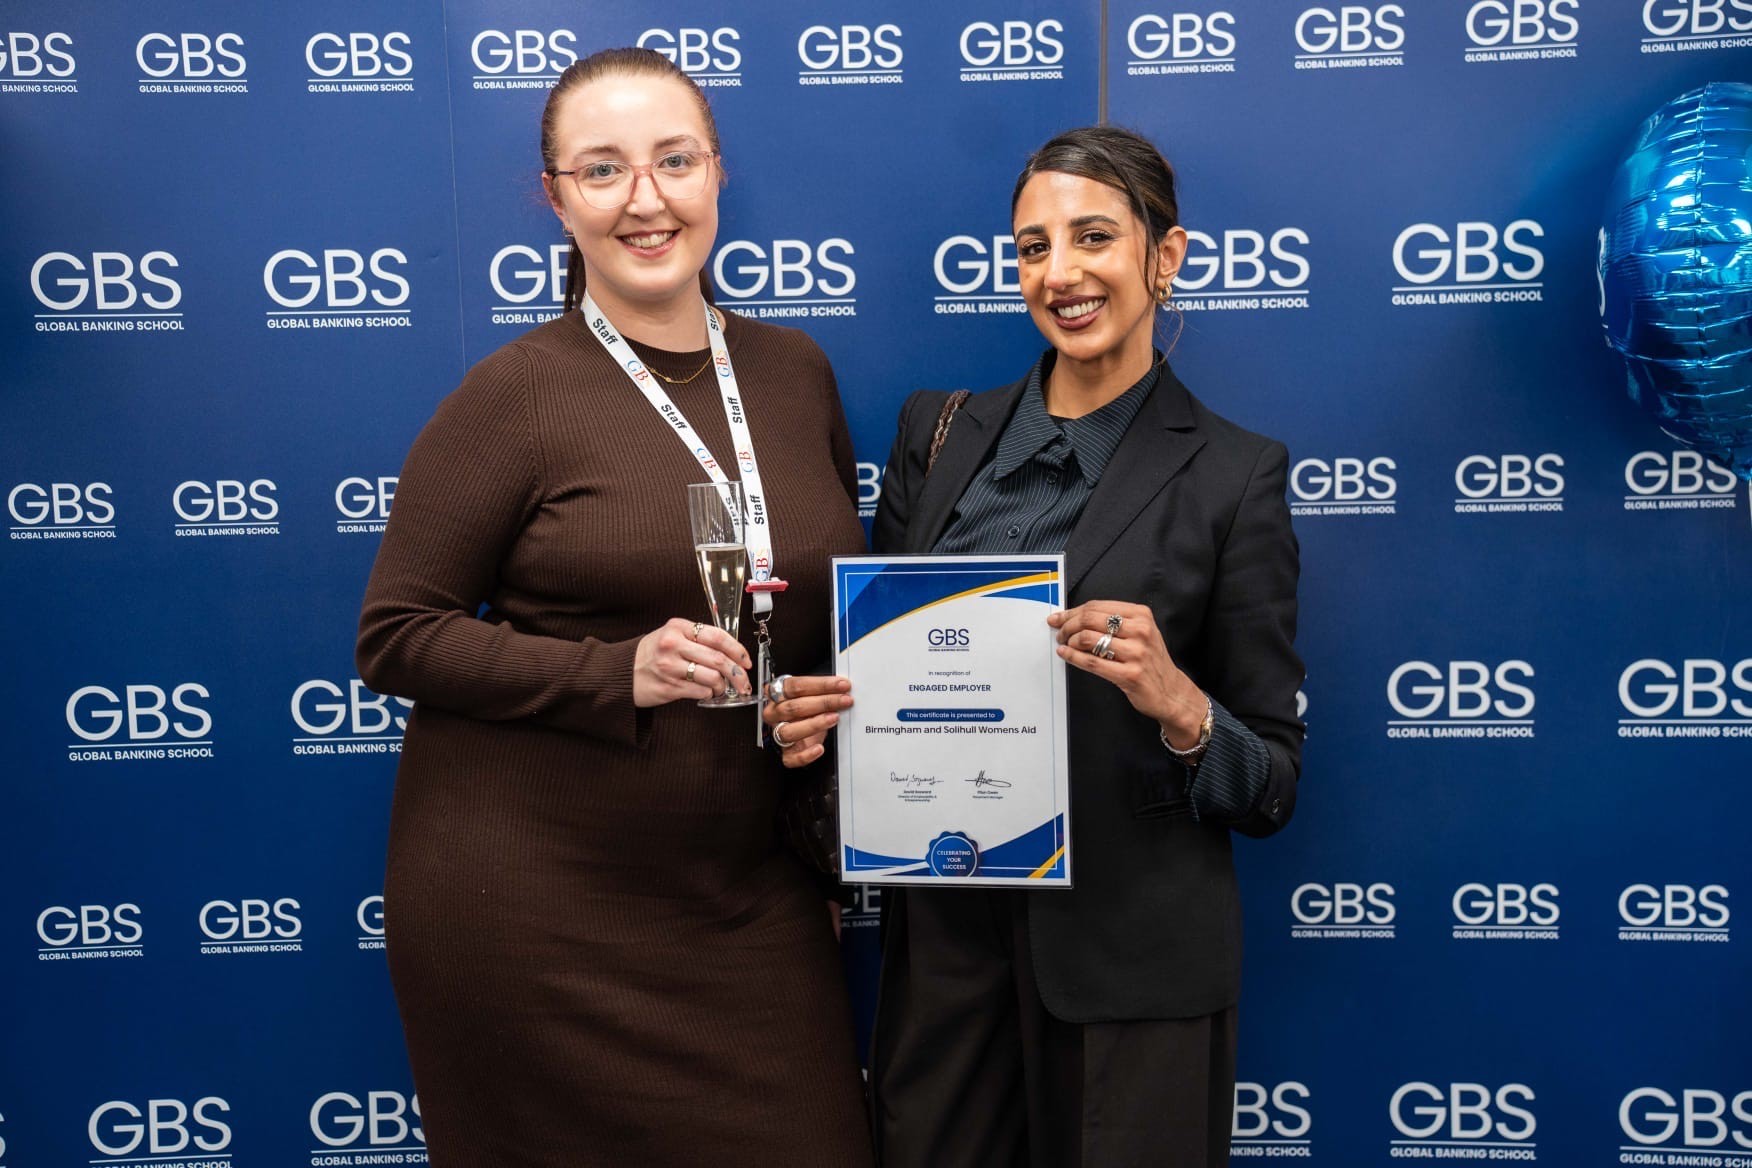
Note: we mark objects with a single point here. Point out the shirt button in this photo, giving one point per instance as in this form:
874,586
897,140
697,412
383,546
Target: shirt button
1052,480
1277,805
1014,531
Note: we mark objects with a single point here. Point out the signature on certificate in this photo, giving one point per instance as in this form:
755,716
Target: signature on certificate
913,780
980,781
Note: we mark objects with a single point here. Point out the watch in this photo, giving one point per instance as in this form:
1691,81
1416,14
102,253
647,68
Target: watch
1192,754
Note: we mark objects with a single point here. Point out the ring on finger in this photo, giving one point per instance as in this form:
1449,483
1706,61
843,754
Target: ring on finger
698,625
1103,647
1114,620
691,666
779,739
776,687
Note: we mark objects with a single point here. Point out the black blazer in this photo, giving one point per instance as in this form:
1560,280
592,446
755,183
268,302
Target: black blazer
1189,518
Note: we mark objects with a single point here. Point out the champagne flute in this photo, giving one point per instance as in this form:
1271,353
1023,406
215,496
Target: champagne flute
717,514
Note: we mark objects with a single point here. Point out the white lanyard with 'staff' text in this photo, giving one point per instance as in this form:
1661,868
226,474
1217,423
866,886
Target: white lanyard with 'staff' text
758,539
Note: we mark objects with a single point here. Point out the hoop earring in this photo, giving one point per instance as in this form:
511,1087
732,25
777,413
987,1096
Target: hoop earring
1164,294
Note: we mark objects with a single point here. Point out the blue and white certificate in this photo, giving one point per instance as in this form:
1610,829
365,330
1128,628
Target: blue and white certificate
952,760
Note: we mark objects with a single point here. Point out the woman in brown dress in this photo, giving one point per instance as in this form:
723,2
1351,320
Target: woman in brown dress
601,954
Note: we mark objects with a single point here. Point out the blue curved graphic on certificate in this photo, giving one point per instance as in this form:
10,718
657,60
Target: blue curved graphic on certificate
1047,593
873,595
1037,853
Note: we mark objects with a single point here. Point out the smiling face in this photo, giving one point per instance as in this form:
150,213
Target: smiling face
1089,271
648,252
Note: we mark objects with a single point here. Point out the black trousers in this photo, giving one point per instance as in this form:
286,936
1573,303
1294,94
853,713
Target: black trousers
970,1070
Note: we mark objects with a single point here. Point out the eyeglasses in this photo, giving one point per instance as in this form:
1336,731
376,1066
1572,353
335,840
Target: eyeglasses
608,185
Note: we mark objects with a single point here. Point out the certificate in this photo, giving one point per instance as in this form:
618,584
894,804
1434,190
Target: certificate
952,760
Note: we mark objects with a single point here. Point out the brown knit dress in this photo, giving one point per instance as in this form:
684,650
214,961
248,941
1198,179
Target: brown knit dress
601,954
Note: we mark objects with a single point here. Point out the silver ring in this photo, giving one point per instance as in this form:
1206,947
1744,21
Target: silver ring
1103,647
691,666
776,687
698,625
779,739
1113,622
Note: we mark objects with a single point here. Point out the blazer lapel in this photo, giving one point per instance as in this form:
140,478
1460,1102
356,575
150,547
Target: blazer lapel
1160,440
972,434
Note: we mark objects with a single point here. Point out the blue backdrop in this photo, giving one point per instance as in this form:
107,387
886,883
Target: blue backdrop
248,249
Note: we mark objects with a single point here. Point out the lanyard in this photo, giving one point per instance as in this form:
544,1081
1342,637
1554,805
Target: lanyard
759,539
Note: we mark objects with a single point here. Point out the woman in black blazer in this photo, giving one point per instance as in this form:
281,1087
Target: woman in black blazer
1096,1026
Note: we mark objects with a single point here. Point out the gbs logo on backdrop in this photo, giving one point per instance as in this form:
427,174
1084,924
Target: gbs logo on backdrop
977,275
1521,30
1353,36
1165,44
251,925
1682,26
1465,1115
1673,912
170,1131
364,503
1012,50
787,278
226,507
1480,264
1678,480
1344,486
1514,483
1699,1119
1271,1120
135,724
347,721
851,54
869,489
32,62
359,62
62,511
528,287
1461,699
384,1121
341,289
523,58
1247,269
192,62
1506,912
106,291
1344,911
708,55
85,931
865,911
1701,697
369,915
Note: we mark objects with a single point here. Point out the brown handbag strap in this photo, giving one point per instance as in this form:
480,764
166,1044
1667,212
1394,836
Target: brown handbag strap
941,434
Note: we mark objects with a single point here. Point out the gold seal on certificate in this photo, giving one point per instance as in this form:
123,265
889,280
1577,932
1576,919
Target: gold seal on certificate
952,763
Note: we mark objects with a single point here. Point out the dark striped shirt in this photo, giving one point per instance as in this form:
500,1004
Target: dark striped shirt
1027,499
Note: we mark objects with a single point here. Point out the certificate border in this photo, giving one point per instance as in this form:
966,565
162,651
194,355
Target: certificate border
1056,871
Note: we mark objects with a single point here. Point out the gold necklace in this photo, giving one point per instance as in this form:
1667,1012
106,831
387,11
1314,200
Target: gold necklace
681,380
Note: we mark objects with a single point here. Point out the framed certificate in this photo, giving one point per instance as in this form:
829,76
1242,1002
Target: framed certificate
952,759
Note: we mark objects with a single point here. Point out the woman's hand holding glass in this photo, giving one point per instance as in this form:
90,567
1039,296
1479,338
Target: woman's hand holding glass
687,659
810,708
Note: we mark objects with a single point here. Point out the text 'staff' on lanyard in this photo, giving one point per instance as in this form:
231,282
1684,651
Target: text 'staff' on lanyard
759,539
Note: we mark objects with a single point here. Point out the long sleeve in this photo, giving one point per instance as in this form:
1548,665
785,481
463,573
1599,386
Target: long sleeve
1248,776
470,484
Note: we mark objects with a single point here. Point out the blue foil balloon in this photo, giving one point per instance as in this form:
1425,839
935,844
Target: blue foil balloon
1676,270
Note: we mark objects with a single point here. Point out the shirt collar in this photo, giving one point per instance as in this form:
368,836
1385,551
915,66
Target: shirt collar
1093,437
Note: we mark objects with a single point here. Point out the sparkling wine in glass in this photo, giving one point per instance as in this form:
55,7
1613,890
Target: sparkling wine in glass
717,514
